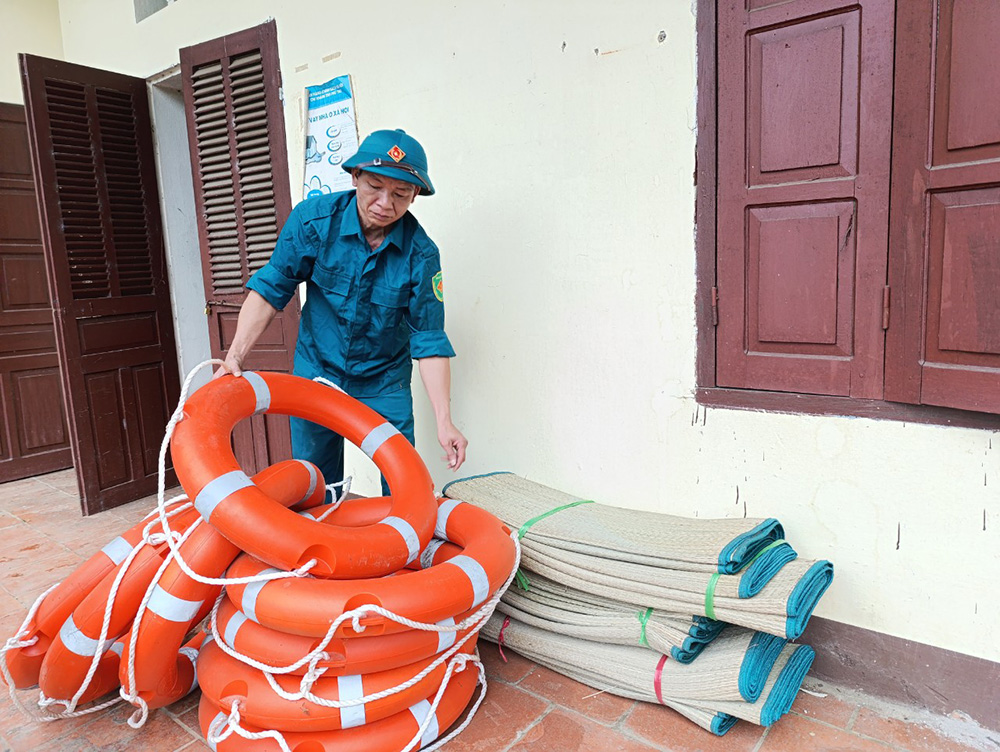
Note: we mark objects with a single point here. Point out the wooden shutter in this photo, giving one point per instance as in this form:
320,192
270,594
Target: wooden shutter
238,157
92,147
34,438
944,342
804,101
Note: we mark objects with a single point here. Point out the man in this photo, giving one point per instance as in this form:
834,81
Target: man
374,299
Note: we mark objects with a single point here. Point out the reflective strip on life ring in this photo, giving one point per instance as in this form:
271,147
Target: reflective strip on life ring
387,735
177,599
208,471
306,605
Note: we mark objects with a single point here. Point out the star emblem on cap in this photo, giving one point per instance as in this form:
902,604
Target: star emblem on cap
396,153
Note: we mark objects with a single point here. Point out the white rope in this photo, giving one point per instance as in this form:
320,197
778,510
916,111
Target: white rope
461,661
128,691
327,382
232,724
176,418
345,488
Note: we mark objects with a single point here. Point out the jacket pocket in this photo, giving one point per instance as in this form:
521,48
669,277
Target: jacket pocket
332,281
390,297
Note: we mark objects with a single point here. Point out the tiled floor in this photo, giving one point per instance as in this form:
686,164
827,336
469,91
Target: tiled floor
528,708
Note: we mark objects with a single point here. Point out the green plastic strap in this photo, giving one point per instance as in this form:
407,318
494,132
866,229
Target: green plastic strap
768,547
524,528
710,595
522,580
643,619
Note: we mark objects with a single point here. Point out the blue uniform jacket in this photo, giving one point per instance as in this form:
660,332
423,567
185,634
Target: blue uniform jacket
367,313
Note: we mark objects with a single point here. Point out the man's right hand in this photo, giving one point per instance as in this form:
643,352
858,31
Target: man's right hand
232,365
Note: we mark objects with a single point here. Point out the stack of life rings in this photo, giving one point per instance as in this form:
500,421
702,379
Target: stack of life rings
309,627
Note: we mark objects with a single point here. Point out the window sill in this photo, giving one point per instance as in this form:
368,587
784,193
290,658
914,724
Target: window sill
811,404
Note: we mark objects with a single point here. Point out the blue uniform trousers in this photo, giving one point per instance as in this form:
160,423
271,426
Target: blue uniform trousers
325,449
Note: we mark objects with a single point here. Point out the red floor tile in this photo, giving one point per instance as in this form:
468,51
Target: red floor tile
563,731
505,714
795,733
666,728
828,709
598,706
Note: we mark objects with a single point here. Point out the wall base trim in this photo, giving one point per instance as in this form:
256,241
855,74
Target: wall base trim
904,671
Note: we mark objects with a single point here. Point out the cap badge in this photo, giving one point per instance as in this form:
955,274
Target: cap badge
396,153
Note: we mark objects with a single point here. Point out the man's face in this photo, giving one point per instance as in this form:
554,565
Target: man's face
381,200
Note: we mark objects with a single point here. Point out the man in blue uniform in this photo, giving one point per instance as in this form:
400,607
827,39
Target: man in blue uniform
374,299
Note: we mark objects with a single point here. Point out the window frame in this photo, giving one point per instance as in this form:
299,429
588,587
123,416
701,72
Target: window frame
706,175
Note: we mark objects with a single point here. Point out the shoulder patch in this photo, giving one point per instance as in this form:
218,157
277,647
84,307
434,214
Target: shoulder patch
437,281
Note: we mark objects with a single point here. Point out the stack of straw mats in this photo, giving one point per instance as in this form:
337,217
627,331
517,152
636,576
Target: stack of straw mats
694,614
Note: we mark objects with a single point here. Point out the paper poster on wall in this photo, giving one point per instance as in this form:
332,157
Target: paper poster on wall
331,137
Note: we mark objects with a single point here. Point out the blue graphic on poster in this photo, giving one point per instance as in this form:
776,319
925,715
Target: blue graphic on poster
331,136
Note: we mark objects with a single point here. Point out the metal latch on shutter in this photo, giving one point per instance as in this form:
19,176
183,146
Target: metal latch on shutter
222,303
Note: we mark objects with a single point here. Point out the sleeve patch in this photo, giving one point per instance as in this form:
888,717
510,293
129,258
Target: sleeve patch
437,281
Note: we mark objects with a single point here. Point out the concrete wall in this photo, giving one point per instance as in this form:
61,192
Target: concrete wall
26,26
562,138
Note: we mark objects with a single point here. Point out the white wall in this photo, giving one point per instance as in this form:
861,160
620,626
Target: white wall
561,138
26,26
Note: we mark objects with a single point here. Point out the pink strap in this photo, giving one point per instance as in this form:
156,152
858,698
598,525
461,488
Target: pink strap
506,621
657,676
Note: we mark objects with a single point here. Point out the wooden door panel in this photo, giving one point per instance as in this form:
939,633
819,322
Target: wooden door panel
34,438
92,148
944,347
804,95
967,111
803,83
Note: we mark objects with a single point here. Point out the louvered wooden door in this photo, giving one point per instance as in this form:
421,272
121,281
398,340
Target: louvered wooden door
92,148
238,157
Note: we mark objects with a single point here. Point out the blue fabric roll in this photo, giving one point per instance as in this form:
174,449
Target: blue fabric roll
722,723
779,700
763,568
740,551
757,663
702,631
802,602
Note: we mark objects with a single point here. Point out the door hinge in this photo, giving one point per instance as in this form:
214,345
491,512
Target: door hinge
715,306
885,307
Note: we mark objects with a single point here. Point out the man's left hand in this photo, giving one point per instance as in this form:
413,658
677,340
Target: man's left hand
453,443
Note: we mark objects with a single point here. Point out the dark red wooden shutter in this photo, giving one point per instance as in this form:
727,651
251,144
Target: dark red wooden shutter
34,438
92,148
805,96
944,341
240,165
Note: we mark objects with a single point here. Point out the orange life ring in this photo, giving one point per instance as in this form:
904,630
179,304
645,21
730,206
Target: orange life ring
25,663
388,735
226,680
353,655
208,471
68,658
185,679
306,605
177,598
